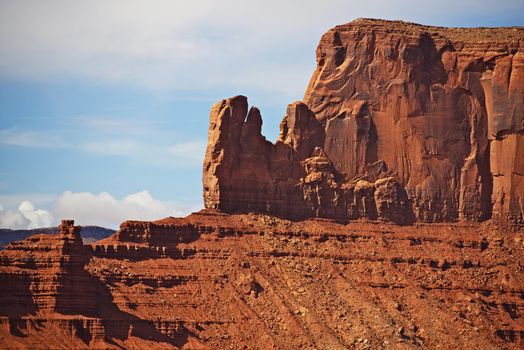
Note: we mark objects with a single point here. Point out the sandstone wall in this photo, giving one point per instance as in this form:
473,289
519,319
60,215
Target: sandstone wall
45,273
400,122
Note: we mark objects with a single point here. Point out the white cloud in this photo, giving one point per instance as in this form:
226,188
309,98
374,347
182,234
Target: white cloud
36,217
13,219
25,217
105,210
158,44
86,208
266,45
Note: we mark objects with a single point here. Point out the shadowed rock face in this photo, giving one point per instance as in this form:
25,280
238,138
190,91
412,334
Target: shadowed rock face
400,122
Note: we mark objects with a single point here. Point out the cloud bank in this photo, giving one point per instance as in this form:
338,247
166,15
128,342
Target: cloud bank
86,208
25,217
105,210
202,44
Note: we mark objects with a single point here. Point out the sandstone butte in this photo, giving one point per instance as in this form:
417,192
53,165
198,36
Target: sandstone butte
300,246
400,122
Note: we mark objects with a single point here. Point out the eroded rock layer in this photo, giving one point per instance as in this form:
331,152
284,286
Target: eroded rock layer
46,273
220,281
400,122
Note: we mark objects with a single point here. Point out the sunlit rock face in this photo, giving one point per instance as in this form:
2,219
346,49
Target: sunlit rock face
219,281
400,122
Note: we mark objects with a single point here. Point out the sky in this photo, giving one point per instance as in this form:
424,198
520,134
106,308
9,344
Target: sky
104,105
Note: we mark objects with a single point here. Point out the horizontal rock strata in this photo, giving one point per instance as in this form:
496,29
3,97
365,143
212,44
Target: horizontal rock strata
260,282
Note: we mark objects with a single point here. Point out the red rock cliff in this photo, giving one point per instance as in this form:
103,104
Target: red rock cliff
399,122
46,271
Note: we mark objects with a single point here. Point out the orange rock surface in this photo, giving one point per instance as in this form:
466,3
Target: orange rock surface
400,122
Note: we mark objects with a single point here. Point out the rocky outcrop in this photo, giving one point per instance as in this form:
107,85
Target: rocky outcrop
137,240
219,281
48,285
89,233
47,271
400,122
293,178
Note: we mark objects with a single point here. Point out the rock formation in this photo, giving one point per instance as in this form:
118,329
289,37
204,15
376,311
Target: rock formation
89,233
219,281
52,270
400,122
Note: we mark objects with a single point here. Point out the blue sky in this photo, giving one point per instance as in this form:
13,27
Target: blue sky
104,105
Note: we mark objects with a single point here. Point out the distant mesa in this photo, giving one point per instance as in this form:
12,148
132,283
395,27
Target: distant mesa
89,234
400,122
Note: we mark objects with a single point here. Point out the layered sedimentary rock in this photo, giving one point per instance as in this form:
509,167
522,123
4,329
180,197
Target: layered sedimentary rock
218,281
46,274
90,233
400,122
50,290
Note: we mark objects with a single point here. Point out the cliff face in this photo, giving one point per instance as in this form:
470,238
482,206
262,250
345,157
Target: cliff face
400,122
53,287
47,273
